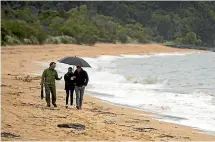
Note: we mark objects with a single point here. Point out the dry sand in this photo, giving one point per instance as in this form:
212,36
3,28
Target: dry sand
25,117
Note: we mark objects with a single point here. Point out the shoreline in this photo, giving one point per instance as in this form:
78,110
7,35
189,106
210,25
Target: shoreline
153,115
104,122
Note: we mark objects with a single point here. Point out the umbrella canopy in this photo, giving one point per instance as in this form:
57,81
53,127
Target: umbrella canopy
74,61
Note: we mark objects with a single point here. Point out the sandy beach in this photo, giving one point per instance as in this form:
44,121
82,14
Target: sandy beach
24,115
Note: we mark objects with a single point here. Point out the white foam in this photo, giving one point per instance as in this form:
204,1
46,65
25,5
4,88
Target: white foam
108,58
171,54
135,56
155,54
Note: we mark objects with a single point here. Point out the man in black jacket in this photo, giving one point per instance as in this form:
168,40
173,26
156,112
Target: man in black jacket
69,86
81,80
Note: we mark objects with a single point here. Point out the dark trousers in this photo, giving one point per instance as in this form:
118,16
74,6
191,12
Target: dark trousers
69,92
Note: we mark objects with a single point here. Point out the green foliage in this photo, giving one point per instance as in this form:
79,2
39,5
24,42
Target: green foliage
27,41
168,43
179,40
21,30
191,38
60,39
123,38
158,38
39,22
12,40
34,40
25,15
17,28
55,25
48,15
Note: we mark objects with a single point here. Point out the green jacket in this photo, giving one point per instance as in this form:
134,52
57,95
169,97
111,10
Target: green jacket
49,76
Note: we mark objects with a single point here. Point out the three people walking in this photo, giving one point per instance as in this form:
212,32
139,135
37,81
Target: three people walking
73,81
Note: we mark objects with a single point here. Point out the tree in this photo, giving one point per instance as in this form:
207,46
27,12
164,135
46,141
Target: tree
191,38
123,38
111,21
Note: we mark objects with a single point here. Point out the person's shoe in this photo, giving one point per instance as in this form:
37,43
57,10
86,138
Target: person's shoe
80,107
66,106
54,105
48,105
77,107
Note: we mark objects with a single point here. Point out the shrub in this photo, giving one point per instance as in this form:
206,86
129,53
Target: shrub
34,40
179,40
67,39
123,38
60,39
131,40
12,40
27,41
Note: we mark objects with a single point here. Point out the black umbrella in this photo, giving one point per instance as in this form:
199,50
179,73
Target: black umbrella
74,61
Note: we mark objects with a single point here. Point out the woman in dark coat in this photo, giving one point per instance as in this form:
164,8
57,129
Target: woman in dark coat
69,86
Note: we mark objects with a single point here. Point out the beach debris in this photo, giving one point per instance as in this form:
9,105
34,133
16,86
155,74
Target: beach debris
188,138
137,121
4,85
8,125
166,136
9,135
148,129
130,121
122,125
92,103
40,117
27,78
109,122
16,93
102,112
75,126
12,74
27,104
60,116
35,87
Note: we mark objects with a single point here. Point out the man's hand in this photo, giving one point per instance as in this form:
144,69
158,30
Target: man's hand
73,77
60,77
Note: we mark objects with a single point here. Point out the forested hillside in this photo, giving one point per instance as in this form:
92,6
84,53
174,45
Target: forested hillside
31,22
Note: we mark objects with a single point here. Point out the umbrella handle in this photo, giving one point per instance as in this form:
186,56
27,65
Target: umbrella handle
73,68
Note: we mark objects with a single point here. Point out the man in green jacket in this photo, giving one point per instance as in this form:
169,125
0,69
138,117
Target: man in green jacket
48,79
